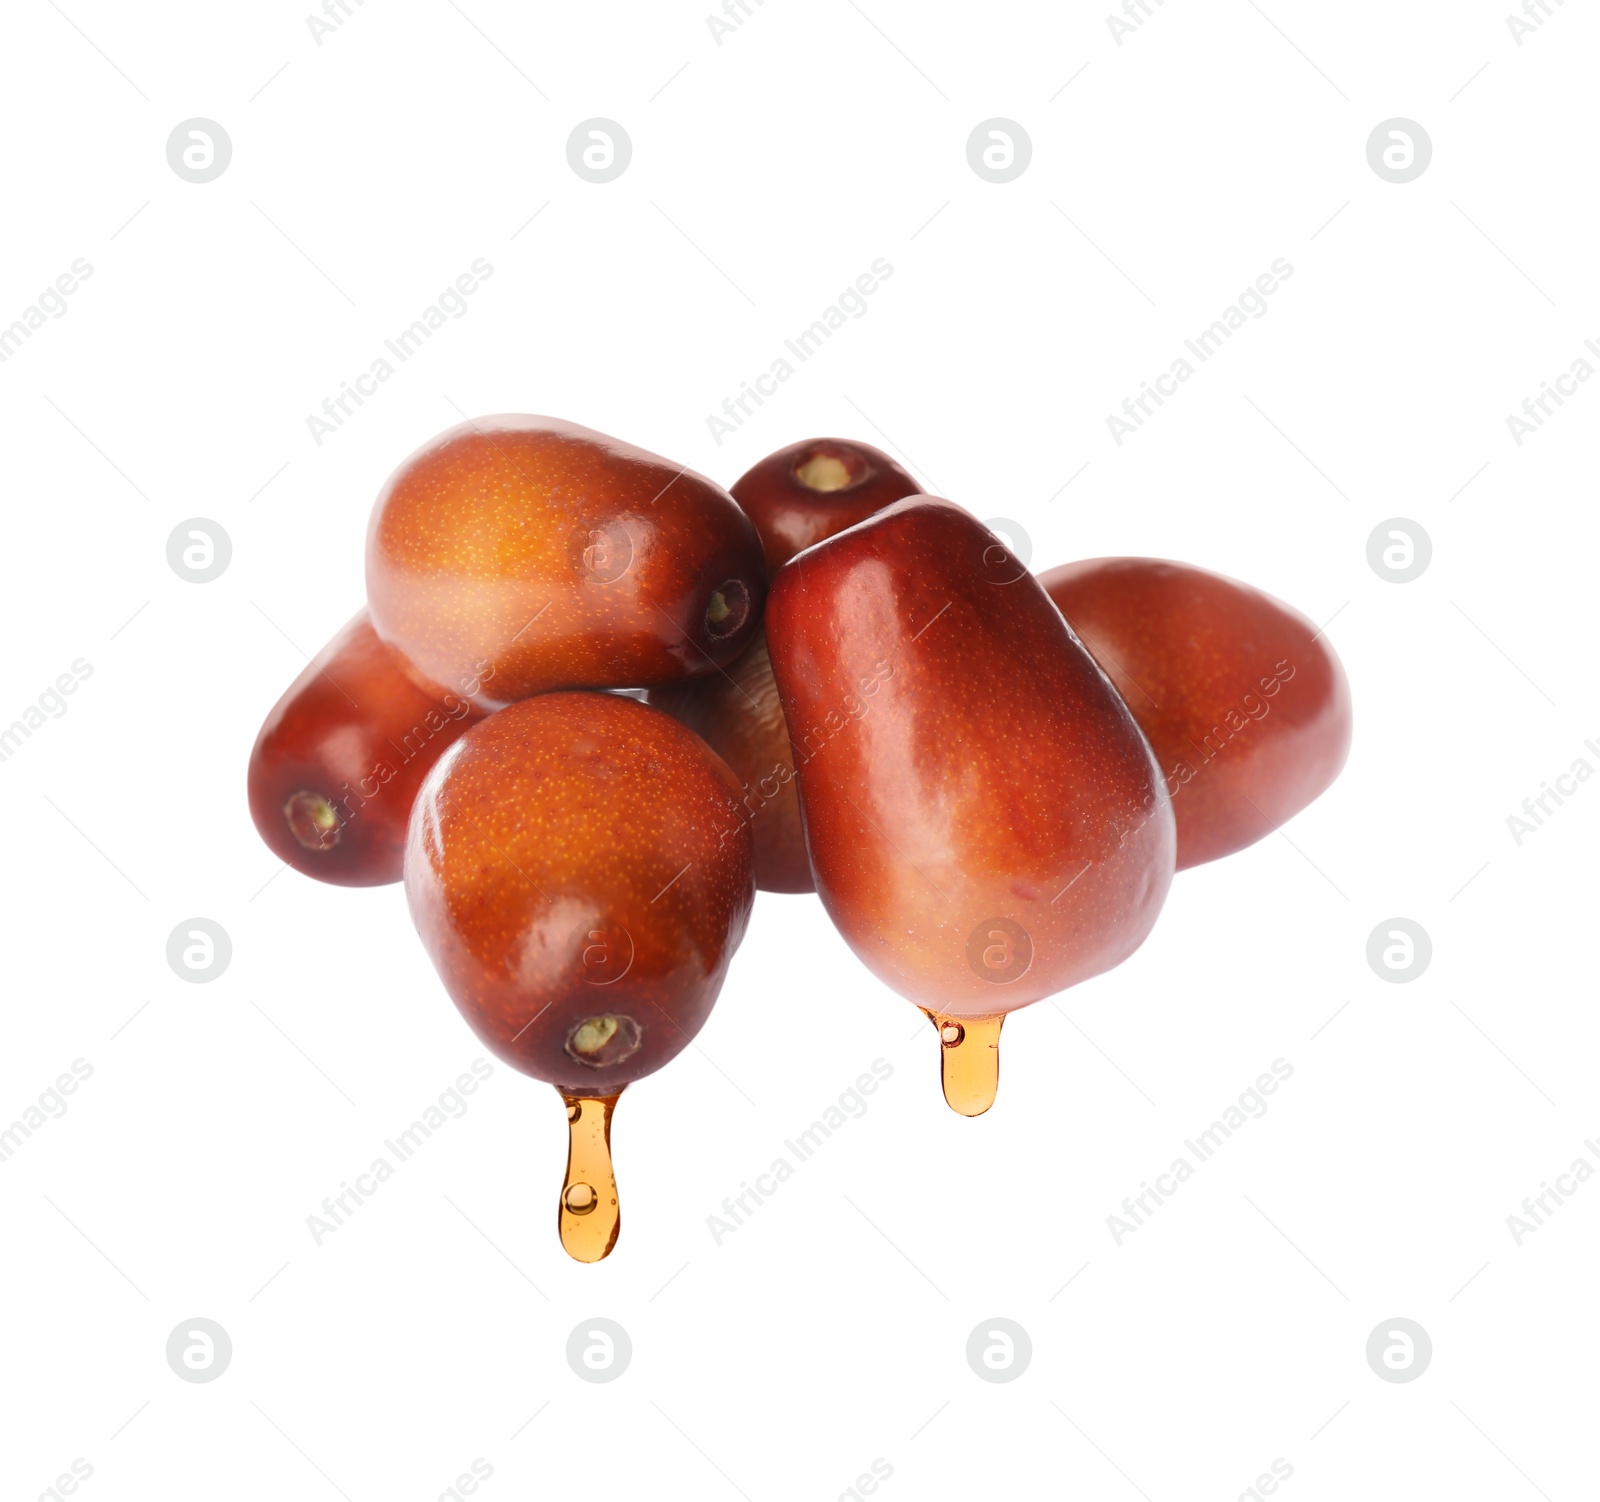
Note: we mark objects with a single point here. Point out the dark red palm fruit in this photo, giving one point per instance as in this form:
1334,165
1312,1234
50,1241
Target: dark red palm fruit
796,497
740,718
580,876
983,816
340,758
514,555
1242,699
813,489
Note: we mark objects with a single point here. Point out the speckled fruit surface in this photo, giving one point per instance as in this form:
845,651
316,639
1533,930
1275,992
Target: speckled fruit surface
1243,701
796,497
580,876
513,555
985,820
339,760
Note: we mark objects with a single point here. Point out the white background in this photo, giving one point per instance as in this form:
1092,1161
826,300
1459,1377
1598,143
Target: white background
830,1330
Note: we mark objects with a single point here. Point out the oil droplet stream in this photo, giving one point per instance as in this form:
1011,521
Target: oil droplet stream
588,1217
969,1049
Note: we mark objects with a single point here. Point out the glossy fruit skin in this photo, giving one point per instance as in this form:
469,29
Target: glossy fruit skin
513,555
986,822
738,711
740,718
1244,704
580,856
357,735
791,515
